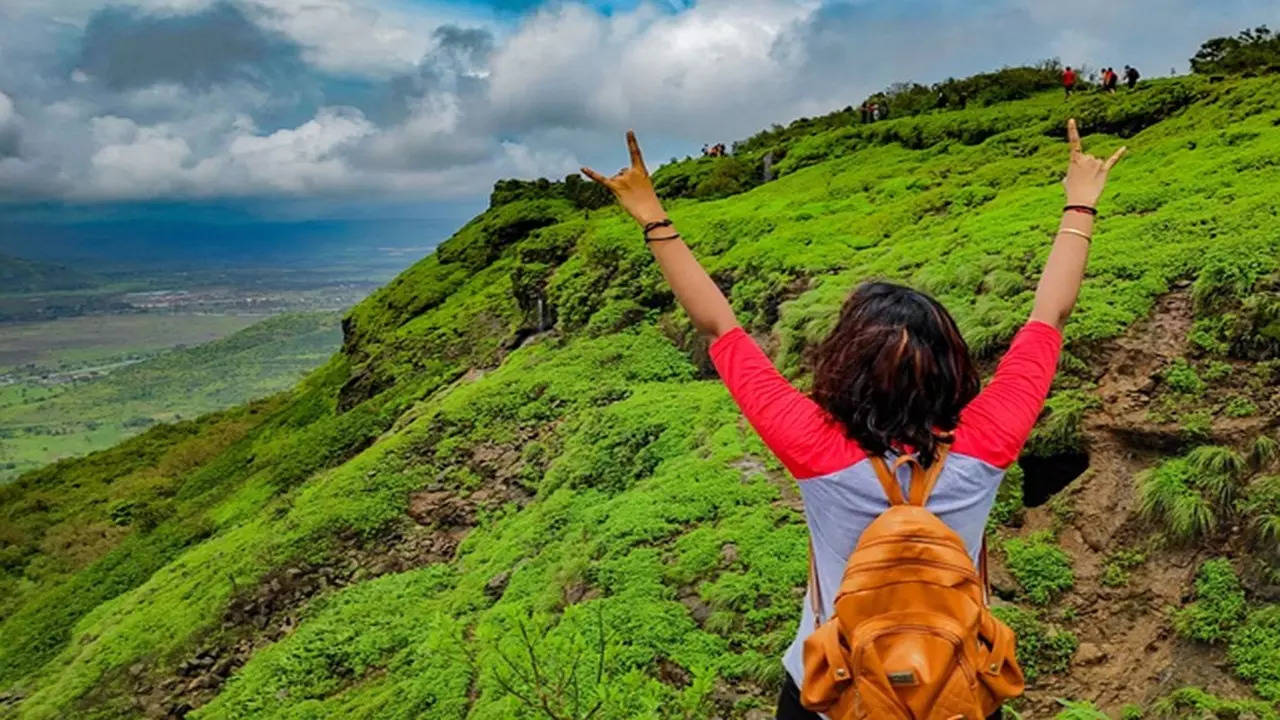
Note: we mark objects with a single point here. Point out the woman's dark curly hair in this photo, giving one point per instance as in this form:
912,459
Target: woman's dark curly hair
895,371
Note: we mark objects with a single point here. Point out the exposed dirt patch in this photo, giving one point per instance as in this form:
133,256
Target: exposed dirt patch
1128,649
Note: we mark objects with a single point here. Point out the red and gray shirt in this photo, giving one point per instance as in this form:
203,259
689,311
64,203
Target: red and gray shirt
841,493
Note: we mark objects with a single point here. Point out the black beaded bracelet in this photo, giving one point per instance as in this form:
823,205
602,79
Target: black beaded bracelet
650,227
669,237
1081,208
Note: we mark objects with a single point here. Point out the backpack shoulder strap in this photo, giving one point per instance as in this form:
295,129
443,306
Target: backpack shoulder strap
815,590
923,481
887,480
982,570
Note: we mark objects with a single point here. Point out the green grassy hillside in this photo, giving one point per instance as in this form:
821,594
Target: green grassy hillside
520,492
49,416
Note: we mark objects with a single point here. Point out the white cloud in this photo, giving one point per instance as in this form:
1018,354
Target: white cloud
388,103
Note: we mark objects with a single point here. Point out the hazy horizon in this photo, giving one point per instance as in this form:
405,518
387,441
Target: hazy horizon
278,111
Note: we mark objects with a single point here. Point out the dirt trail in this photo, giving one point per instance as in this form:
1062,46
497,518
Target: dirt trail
1128,650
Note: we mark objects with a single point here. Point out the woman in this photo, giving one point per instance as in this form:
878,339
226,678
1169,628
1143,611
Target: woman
893,376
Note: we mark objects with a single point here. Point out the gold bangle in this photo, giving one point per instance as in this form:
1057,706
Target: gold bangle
1073,231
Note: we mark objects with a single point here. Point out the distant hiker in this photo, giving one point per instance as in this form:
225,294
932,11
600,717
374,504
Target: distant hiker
704,150
941,102
884,109
875,112
962,99
1109,80
1131,76
866,113
1068,80
899,451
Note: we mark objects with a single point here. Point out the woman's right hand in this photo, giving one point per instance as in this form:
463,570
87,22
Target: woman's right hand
1086,174
632,187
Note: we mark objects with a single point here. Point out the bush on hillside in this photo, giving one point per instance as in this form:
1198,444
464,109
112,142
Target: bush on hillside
1255,651
1042,649
583,193
1218,607
1040,567
1192,702
1010,83
482,240
1187,495
1250,51
1080,710
1061,428
1261,505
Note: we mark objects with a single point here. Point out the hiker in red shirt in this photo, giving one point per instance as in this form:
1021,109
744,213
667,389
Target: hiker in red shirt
1068,80
893,379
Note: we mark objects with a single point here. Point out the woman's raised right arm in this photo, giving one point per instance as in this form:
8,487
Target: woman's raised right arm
708,309
1063,271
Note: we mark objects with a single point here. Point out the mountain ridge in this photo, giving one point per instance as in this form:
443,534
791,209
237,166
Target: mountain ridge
522,452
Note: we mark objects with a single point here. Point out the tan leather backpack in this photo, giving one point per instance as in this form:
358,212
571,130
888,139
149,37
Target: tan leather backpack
911,637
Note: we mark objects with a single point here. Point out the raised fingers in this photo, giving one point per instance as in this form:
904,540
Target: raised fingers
595,176
1073,135
637,160
1115,158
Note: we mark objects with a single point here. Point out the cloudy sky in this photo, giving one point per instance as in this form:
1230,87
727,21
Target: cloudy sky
311,104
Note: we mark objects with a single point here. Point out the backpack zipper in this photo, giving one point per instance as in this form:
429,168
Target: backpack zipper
967,572
922,539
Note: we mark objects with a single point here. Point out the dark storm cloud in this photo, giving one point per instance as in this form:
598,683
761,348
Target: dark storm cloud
458,63
439,115
125,48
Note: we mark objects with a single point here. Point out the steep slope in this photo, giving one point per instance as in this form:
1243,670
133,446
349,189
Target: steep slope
519,491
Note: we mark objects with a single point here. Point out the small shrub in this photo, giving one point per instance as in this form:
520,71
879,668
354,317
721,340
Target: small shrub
1116,571
1180,377
1261,505
1192,702
1216,470
1060,430
1218,607
1040,567
1215,371
1041,649
1239,406
1255,652
1166,495
1264,452
1080,710
1008,508
1197,426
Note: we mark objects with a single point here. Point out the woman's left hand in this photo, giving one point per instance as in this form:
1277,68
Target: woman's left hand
632,187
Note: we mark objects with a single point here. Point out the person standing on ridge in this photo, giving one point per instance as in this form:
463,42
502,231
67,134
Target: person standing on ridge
1131,76
897,409
1109,80
1068,81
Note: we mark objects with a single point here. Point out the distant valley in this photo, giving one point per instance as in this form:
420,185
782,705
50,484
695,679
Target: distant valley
103,334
